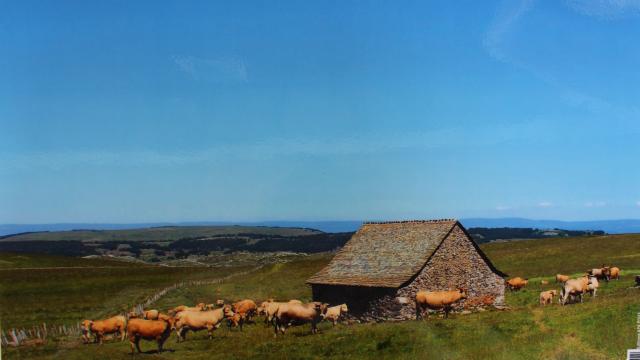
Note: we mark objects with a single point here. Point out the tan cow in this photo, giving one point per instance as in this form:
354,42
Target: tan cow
298,314
199,320
151,314
158,330
592,286
573,288
115,324
546,297
270,307
561,278
517,283
601,273
614,273
333,313
436,300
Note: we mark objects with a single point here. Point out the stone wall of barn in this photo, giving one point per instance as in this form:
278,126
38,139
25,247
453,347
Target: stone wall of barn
456,263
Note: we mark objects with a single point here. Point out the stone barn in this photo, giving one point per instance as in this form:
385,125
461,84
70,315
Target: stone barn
379,270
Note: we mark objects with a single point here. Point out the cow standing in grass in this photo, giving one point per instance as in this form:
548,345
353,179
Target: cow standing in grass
437,300
158,330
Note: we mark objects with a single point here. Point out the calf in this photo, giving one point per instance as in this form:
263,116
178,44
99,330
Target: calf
158,330
333,313
115,324
436,300
546,297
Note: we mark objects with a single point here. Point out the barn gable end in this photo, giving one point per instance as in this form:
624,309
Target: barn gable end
443,257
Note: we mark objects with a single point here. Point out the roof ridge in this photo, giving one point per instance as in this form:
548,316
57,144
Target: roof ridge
434,221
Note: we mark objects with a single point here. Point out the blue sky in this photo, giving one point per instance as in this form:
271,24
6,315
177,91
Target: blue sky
270,110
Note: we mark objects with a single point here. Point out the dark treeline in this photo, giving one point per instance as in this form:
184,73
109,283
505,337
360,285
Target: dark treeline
482,235
187,246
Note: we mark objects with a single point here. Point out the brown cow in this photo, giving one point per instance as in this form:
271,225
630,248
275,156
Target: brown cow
561,278
244,310
200,320
151,314
546,297
298,314
436,300
158,330
614,273
517,283
115,324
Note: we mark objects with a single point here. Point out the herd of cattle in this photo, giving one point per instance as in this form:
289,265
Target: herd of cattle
156,326
572,289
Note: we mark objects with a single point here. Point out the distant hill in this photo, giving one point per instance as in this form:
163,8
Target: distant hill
162,233
609,226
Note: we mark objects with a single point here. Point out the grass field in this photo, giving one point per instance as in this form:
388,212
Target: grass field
601,328
35,289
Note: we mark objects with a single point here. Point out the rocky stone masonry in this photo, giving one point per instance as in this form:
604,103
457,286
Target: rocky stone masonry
456,263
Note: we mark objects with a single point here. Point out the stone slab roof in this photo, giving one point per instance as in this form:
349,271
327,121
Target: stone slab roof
385,254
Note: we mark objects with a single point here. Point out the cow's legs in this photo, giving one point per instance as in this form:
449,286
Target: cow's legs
138,344
210,331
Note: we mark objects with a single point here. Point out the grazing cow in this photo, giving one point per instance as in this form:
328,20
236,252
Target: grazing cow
436,300
601,273
592,287
115,324
614,273
573,288
151,314
200,320
158,330
517,283
333,313
561,278
546,297
299,314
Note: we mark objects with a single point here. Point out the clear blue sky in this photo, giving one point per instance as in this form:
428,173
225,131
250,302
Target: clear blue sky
174,111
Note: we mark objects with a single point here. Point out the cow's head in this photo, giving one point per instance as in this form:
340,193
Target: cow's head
220,302
86,325
202,306
344,308
227,311
463,292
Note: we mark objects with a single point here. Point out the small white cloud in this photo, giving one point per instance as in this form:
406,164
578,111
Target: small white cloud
595,204
503,207
545,204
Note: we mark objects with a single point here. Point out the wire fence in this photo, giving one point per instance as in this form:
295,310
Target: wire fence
38,334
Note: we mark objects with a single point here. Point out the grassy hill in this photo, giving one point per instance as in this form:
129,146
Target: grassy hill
601,328
165,233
